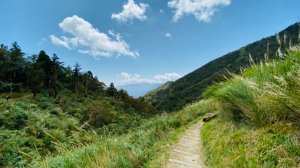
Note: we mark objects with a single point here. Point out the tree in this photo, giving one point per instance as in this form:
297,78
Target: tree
44,62
36,77
13,64
76,71
3,62
97,86
87,77
111,90
55,70
123,94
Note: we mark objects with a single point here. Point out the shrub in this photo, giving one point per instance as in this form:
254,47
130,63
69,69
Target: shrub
100,113
14,119
44,102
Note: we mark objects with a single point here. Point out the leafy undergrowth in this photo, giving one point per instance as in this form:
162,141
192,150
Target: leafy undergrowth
276,145
140,147
259,117
34,128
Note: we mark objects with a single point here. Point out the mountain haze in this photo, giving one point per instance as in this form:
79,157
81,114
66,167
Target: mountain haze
190,87
137,90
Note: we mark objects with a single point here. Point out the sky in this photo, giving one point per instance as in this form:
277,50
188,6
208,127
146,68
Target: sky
141,41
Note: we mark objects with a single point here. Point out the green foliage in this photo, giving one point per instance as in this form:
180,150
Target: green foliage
8,86
276,145
263,94
259,117
73,121
42,74
190,87
32,128
100,114
137,148
69,108
111,90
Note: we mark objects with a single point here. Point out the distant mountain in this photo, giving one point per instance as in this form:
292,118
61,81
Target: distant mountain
137,90
190,87
160,88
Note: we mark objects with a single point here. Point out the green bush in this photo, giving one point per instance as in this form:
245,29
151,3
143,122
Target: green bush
14,119
44,102
100,113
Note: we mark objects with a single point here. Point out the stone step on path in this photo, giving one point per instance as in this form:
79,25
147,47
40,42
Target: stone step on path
186,153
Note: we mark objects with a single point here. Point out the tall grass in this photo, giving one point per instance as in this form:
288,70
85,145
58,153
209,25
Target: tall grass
135,149
260,114
240,145
263,94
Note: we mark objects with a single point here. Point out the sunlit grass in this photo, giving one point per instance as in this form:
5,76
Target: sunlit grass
144,146
259,117
276,145
263,94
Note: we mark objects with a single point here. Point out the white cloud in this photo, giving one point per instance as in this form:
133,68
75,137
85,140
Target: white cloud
127,78
131,11
203,10
168,35
161,11
90,40
60,42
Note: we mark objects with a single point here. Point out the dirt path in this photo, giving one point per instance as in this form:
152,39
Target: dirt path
186,153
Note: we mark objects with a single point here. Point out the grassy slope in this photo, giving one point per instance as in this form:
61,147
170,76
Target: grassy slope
141,147
148,96
276,145
258,126
259,117
190,87
33,128
32,133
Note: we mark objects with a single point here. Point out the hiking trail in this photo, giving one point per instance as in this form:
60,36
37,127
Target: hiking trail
186,153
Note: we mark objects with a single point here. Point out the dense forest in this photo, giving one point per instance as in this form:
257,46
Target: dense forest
47,75
191,87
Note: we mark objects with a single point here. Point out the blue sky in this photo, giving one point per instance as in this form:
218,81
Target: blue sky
141,41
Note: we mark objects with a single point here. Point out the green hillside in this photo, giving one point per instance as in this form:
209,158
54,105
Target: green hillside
84,132
150,94
259,114
47,108
190,87
57,116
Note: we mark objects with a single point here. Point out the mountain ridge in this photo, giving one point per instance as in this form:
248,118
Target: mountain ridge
190,87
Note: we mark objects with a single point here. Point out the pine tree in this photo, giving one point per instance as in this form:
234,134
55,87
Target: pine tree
111,90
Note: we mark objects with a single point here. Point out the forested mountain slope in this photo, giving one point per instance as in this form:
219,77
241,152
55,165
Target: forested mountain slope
190,87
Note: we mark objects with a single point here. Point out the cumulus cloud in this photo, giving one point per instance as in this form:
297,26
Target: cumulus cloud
89,40
127,78
203,10
168,35
131,11
58,41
